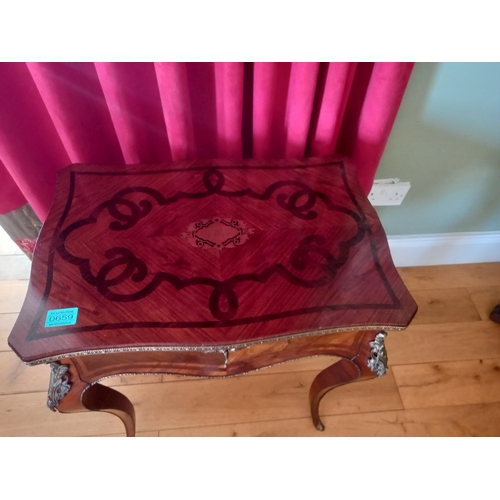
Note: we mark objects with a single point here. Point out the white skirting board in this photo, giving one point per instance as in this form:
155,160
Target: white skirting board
447,248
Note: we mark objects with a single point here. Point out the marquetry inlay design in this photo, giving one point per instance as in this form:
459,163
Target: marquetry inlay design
210,255
217,233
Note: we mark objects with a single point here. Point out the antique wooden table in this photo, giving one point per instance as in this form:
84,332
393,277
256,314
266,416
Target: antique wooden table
207,268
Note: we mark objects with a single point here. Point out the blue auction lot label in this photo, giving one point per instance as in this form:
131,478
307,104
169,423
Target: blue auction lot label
61,317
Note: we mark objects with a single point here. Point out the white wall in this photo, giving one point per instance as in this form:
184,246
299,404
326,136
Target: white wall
446,142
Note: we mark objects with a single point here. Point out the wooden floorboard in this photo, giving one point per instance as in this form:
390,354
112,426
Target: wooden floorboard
138,434
251,398
449,383
485,298
16,377
444,379
467,420
449,305
452,276
28,415
444,342
6,324
12,293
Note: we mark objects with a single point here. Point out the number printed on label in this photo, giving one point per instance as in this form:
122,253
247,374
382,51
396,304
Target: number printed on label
61,317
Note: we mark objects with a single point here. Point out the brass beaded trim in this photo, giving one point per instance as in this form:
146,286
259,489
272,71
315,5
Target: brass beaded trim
222,349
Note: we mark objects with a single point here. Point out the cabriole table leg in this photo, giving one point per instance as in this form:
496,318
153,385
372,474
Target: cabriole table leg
69,394
370,362
98,397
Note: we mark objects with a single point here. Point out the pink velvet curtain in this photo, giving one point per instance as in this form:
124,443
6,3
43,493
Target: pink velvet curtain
55,114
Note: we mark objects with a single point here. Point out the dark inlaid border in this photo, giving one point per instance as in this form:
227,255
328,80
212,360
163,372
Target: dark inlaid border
33,334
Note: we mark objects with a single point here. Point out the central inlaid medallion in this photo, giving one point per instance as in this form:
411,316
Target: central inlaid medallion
217,233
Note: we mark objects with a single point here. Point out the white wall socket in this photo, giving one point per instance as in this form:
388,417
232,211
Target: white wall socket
388,192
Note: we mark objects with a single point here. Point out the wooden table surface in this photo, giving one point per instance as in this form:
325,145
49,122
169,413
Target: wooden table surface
205,255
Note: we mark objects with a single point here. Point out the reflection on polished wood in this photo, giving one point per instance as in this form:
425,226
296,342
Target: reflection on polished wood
208,268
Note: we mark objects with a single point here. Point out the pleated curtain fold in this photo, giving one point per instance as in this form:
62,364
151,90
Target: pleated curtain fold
55,114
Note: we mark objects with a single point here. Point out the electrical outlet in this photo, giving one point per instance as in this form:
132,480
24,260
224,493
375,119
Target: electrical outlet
388,192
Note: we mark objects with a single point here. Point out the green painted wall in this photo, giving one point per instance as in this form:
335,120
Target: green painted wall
446,142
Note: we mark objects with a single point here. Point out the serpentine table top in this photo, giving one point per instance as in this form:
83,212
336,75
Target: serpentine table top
207,258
